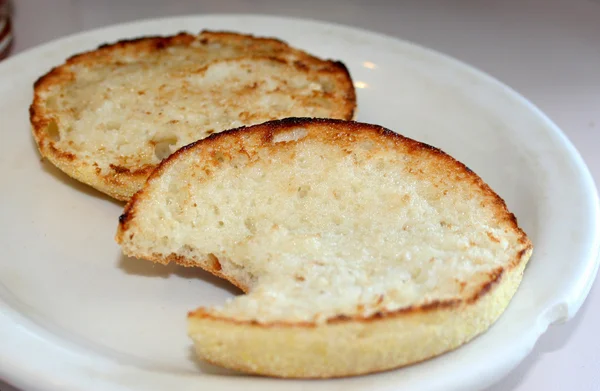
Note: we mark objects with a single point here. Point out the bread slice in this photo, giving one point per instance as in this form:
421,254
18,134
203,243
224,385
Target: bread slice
359,250
109,116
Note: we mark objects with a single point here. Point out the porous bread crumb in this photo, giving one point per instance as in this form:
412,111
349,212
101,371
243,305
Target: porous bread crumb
359,250
109,116
315,228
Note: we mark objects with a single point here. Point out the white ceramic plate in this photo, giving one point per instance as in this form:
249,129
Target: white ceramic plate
76,315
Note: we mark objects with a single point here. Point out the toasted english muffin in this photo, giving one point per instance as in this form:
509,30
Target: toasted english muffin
359,250
109,116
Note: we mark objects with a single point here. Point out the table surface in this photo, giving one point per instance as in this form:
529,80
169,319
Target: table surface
548,50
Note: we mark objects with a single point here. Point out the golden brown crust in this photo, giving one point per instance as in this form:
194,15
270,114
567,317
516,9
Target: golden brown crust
121,179
346,345
352,347
345,133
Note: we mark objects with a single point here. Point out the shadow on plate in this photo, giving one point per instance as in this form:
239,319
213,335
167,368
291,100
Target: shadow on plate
63,178
150,269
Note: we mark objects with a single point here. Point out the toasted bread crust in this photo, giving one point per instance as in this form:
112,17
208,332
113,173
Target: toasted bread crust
347,345
345,134
124,176
353,346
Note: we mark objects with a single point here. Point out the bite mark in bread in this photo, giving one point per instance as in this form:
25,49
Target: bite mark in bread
415,256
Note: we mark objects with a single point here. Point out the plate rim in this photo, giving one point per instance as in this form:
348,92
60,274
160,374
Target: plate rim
565,309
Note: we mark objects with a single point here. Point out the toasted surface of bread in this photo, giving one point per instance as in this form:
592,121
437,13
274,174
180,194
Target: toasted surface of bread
109,116
359,250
